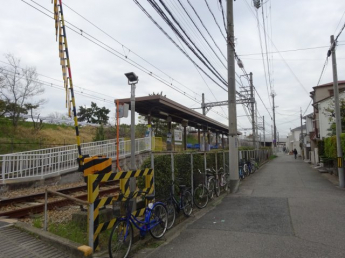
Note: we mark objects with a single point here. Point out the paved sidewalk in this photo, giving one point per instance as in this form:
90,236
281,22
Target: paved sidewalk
16,243
286,209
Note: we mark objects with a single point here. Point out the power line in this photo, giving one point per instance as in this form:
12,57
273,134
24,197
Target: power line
215,20
128,49
195,49
126,59
196,26
290,50
197,15
166,34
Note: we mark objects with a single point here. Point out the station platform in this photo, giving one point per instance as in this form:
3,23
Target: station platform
18,243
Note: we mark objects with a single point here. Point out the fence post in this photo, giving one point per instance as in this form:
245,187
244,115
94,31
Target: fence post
224,161
153,167
42,166
91,225
191,173
3,169
45,210
172,169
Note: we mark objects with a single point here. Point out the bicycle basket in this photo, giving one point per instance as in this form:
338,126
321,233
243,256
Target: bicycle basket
119,208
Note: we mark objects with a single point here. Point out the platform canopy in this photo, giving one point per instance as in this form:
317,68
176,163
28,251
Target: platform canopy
161,107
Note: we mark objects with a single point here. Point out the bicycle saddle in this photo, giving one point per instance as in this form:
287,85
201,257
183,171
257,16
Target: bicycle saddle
149,197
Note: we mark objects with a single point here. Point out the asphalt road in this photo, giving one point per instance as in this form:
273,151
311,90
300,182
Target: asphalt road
286,209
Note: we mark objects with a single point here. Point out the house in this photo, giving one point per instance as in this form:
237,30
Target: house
319,95
318,123
295,139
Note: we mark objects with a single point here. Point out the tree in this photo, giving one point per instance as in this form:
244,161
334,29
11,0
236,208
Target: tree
17,87
329,111
37,122
93,114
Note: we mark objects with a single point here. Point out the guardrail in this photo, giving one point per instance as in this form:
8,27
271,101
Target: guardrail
40,163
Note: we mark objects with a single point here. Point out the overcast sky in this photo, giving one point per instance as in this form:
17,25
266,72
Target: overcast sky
290,25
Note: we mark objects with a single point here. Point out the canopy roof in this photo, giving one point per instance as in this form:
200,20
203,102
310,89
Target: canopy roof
161,107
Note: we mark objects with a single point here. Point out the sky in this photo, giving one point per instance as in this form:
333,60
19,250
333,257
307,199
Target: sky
106,34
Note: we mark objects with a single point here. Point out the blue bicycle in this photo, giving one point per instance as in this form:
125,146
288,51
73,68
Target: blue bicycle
240,170
155,221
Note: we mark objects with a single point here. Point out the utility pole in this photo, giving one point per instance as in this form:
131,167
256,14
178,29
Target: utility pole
263,122
337,113
233,145
302,140
252,107
274,123
203,107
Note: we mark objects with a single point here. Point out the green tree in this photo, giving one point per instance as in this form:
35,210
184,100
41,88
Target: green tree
17,87
329,111
93,114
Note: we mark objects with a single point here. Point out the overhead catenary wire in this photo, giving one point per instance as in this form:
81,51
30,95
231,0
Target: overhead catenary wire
118,54
89,37
166,34
194,49
129,50
215,20
196,26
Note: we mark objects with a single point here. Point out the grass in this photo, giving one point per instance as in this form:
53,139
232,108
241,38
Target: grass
273,157
72,231
38,222
25,137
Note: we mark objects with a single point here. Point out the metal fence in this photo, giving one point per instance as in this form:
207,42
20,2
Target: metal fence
39,163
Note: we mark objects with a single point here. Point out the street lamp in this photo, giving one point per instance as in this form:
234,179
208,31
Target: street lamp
132,80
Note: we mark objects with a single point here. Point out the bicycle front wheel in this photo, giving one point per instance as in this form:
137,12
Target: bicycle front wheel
171,214
217,188
200,196
187,203
159,220
227,183
210,187
245,169
120,240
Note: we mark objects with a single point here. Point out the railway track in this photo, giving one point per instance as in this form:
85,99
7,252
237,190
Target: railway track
35,202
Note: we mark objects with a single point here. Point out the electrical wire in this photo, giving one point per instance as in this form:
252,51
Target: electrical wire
215,20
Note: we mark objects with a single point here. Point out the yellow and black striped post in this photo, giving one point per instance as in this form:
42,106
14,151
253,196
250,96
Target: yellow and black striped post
94,180
340,162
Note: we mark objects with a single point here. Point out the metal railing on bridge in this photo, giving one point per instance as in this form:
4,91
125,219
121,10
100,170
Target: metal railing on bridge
40,163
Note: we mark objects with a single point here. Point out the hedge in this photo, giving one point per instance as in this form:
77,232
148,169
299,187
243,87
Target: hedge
330,146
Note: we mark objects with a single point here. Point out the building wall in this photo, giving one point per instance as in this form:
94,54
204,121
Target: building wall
324,119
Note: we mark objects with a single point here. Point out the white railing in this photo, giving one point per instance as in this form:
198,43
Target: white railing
40,163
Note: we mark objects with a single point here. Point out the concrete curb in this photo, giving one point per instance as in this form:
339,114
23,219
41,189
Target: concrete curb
60,243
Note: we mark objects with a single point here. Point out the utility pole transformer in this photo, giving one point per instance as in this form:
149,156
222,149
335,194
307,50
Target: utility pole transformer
233,148
337,113
252,107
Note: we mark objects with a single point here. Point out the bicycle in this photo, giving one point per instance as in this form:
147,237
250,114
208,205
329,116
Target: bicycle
200,195
211,183
224,179
255,165
173,205
240,171
155,221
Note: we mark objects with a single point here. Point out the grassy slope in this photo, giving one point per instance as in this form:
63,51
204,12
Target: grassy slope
26,138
